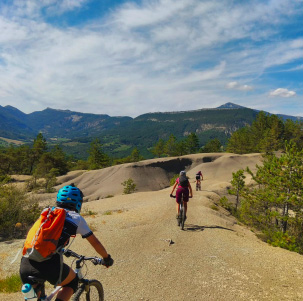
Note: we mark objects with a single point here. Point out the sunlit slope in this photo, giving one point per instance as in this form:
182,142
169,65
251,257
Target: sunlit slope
215,258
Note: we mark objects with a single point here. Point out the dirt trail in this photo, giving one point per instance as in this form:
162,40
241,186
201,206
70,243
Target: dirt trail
214,258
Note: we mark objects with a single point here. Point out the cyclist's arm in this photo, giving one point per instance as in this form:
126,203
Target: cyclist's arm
97,245
174,187
190,190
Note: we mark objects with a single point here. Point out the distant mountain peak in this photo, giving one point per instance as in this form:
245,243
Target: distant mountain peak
230,105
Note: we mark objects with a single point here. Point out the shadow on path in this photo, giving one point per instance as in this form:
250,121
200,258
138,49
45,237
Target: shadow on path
196,228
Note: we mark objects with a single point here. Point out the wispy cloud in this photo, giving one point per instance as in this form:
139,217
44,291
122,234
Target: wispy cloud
237,86
281,92
144,56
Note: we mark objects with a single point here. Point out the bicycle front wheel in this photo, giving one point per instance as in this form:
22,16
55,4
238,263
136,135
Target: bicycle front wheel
95,292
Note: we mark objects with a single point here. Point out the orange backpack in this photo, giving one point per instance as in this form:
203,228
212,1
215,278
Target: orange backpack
42,239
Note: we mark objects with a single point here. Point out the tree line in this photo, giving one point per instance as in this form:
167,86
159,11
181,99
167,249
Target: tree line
273,202
189,145
267,133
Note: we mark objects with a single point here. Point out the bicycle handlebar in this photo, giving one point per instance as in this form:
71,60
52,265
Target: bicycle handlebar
94,260
173,196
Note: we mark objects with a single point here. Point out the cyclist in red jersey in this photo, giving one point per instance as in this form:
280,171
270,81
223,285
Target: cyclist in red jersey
199,177
184,190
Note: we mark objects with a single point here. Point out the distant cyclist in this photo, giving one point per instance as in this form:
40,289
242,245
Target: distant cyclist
199,177
183,189
70,198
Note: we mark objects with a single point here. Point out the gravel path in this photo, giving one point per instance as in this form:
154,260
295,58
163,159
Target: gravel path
213,259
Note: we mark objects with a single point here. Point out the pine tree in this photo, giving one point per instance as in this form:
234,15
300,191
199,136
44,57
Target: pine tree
97,158
192,143
212,146
171,146
276,203
39,147
159,148
238,184
240,142
135,155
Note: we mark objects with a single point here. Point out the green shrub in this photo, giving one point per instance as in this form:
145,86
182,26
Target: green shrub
282,240
11,284
129,186
4,179
226,204
173,179
214,207
87,212
17,212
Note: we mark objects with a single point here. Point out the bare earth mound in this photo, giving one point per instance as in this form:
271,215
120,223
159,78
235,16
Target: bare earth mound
213,259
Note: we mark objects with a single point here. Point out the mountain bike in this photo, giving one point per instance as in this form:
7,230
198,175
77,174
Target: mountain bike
198,185
182,214
88,289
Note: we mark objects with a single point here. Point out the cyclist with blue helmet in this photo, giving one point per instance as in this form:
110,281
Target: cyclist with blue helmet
70,198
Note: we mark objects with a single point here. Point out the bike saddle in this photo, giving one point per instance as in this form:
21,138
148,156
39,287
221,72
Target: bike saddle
36,280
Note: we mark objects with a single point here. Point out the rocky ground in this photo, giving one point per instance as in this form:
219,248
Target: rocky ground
214,258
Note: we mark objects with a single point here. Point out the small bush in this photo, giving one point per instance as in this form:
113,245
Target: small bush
226,204
11,284
173,179
109,196
108,212
129,186
214,207
87,212
4,179
17,212
282,240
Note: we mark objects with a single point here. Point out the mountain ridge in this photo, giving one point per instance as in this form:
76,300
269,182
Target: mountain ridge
120,134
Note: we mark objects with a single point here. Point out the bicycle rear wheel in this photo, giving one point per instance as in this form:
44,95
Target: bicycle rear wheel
95,292
182,216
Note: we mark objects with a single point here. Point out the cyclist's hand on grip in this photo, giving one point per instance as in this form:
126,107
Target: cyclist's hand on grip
108,261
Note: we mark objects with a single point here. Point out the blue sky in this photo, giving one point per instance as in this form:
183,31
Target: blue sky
126,58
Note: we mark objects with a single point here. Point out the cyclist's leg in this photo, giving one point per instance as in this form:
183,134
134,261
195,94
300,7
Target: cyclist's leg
48,270
178,199
69,286
185,199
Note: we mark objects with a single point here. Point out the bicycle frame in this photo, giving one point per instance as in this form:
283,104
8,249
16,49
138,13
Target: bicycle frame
78,271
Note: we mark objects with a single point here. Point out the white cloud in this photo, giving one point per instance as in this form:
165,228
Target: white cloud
35,9
237,86
141,57
300,67
281,92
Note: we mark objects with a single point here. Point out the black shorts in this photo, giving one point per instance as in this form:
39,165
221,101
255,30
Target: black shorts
48,270
198,177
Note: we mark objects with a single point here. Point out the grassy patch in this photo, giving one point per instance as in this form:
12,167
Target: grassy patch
88,213
11,284
109,196
214,207
111,212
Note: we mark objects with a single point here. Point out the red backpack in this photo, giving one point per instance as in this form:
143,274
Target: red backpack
42,239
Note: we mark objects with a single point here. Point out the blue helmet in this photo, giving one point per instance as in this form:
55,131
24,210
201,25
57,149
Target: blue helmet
70,197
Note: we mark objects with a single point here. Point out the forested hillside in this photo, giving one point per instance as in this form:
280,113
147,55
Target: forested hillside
119,136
